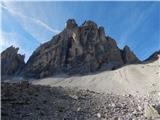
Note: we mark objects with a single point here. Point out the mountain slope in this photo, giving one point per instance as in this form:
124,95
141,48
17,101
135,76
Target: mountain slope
78,50
142,79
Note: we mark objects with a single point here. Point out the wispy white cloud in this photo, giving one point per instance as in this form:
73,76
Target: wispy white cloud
134,25
34,20
32,26
12,38
7,39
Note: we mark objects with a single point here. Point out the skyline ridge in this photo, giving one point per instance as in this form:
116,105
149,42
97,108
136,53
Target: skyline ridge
130,23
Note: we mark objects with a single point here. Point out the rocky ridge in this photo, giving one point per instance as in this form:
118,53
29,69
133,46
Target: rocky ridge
11,62
153,57
78,50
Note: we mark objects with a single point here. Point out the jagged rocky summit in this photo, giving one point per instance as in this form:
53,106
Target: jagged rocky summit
153,57
11,62
76,50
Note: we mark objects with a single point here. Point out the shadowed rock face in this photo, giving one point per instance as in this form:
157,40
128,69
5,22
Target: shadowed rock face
77,50
11,61
128,56
153,57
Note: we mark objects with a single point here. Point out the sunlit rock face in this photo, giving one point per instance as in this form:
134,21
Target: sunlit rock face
76,50
11,61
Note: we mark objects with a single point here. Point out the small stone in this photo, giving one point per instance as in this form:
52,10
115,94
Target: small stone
98,115
113,105
140,108
78,109
134,112
74,97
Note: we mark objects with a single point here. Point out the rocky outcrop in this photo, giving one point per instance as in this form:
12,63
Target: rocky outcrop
77,50
128,56
71,23
11,61
153,57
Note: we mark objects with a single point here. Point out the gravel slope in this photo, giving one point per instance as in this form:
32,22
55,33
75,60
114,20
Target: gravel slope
141,79
22,101
129,93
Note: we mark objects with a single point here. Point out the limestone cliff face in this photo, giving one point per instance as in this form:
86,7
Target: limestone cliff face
11,61
77,50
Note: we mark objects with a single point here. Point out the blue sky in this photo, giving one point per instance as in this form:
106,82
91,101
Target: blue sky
28,24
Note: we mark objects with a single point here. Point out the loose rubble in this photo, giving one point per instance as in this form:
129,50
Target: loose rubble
24,101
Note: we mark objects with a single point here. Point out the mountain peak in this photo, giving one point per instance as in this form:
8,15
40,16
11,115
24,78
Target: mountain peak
89,23
153,57
128,56
126,48
11,61
78,50
70,23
